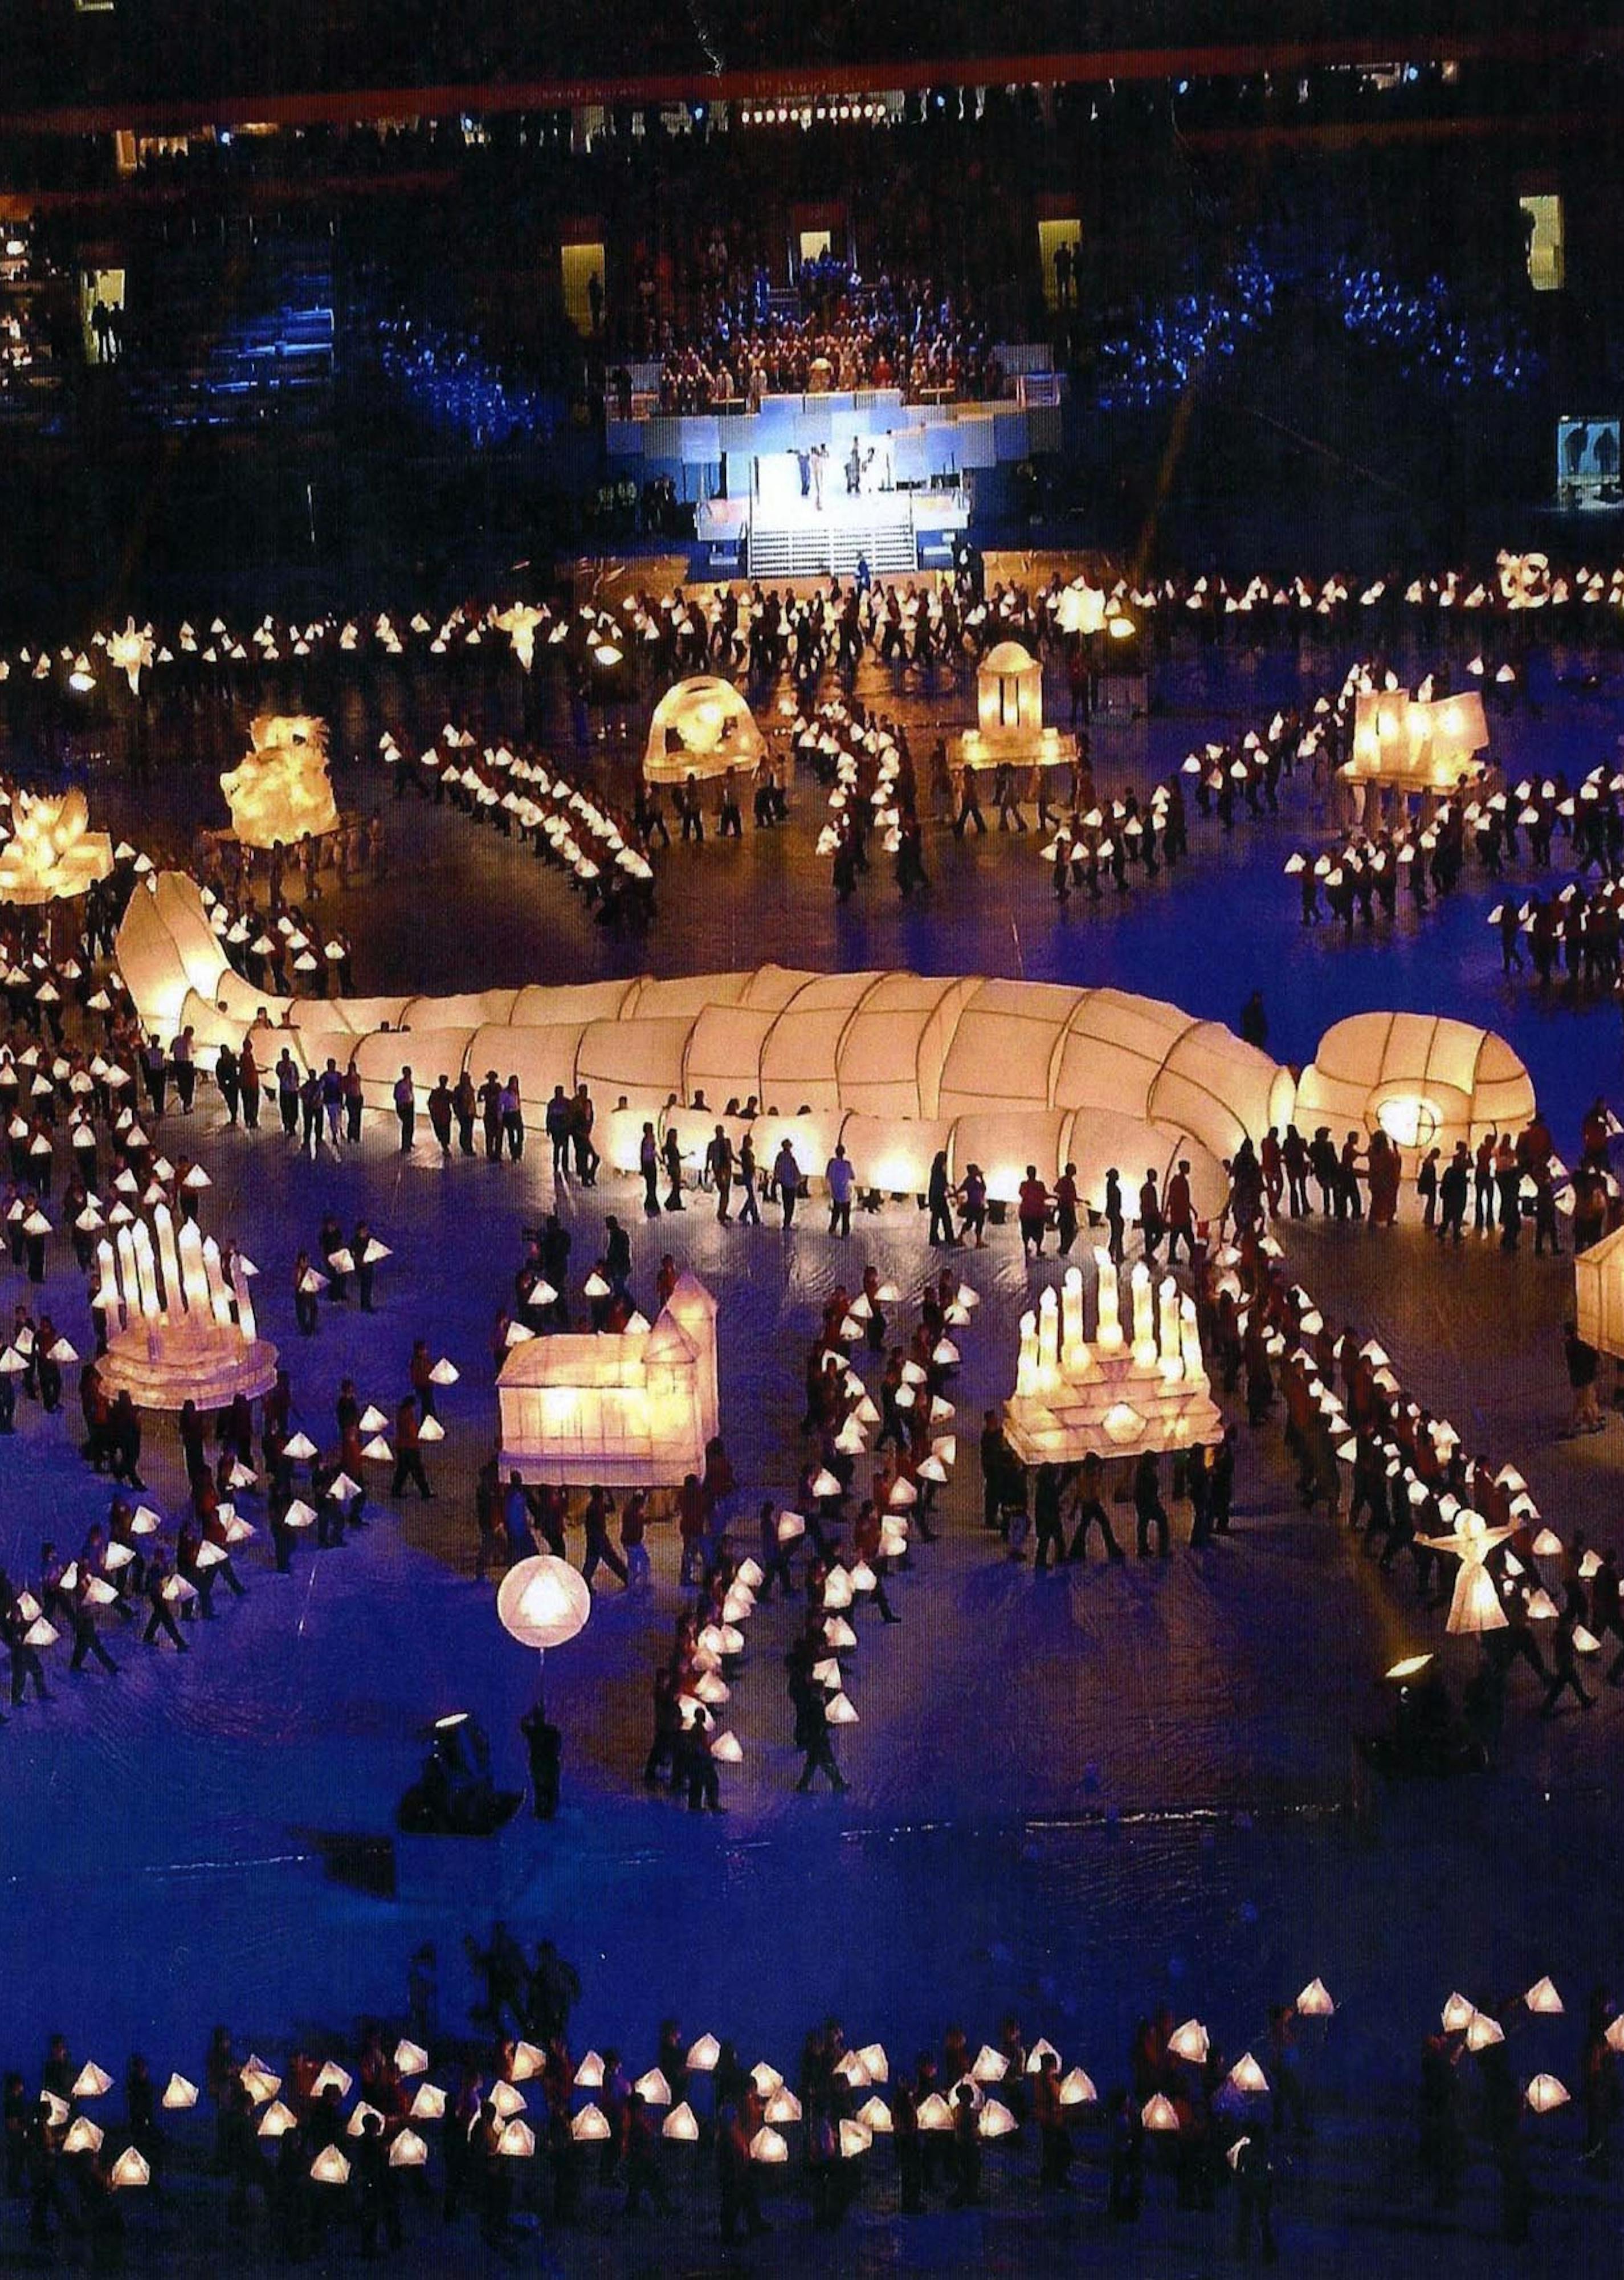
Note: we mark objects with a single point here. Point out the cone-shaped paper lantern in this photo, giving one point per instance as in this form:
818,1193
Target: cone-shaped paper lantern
1189,2042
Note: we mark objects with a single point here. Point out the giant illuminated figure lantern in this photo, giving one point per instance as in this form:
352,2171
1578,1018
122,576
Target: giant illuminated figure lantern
280,791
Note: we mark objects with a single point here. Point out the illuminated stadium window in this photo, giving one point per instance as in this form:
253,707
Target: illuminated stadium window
1547,253
1052,237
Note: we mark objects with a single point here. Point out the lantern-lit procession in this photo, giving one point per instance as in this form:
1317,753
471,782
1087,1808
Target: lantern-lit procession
792,806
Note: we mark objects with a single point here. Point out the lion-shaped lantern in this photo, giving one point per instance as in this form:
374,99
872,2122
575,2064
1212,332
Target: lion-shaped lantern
280,789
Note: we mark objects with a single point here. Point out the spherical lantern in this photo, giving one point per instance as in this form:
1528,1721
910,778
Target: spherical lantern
544,1602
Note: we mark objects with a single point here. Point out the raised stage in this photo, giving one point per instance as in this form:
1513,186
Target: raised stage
785,537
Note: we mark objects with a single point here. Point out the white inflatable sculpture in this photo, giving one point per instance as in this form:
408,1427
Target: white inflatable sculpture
896,1066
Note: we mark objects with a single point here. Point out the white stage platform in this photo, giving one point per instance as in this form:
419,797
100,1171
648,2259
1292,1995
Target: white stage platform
787,536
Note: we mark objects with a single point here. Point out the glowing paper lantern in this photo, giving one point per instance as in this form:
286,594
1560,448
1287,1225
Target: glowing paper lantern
129,2169
1543,1999
1483,2032
517,2142
782,2107
179,2094
680,2125
410,2058
1248,2076
702,2055
765,2079
276,2121
1545,2094
91,2081
653,2088
408,2152
1457,2015
769,2148
1189,2042
1077,2090
989,2065
430,2103
82,2138
543,1602
1159,2113
332,2076
1314,2002
934,2113
507,2101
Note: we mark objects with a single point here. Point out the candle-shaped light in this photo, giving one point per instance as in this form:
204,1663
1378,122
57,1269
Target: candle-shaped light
219,1297
146,1273
110,1307
169,1264
1143,1323
1074,1352
245,1305
1167,1331
1025,1373
1108,1335
1049,1339
194,1282
1190,1339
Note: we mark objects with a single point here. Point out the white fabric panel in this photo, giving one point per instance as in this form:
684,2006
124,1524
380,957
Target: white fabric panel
724,1054
1004,1142
642,1059
1004,1048
893,1153
357,1017
775,986
472,1010
799,1058
539,1057
571,1001
686,995
890,1060
426,1052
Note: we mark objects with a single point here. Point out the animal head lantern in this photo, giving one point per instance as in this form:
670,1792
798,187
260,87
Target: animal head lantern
280,789
52,853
